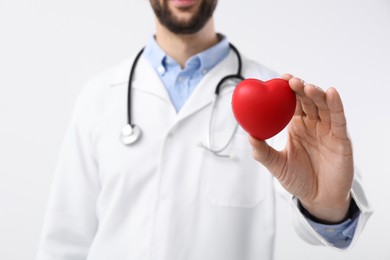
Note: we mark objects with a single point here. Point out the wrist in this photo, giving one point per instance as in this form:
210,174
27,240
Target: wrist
328,213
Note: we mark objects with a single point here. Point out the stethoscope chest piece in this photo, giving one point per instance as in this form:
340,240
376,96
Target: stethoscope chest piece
130,134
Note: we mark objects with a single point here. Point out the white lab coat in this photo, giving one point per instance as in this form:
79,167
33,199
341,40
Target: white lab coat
164,197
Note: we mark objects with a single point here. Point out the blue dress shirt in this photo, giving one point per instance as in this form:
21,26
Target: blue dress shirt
180,82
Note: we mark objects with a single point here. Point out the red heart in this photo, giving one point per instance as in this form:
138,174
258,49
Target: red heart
263,109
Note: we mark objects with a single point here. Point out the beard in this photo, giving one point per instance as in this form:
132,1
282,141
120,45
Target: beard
173,24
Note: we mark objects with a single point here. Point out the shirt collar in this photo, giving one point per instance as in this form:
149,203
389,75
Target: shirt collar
207,59
154,54
212,56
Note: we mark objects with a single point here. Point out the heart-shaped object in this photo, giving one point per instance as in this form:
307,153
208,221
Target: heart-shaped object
263,109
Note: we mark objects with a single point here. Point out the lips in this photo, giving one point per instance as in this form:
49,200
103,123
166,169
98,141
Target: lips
183,3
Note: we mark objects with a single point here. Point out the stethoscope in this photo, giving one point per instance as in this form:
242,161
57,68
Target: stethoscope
131,132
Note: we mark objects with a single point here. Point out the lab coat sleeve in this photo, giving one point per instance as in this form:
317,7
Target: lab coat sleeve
70,222
307,232
301,224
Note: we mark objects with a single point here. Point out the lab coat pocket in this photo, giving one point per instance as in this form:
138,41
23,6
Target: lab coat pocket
234,181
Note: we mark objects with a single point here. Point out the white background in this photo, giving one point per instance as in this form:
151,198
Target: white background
48,50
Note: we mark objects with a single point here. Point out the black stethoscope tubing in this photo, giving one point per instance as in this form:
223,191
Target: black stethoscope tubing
135,62
131,132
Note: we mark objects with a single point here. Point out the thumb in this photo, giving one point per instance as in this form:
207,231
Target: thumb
265,154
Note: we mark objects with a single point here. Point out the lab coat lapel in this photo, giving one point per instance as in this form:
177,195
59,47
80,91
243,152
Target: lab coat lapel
145,78
203,94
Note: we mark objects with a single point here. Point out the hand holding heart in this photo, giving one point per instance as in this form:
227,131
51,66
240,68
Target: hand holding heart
317,163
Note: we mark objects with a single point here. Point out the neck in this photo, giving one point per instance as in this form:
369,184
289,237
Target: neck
181,47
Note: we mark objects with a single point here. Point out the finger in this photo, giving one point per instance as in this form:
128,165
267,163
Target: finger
318,96
265,154
337,115
308,106
287,76
298,109
298,106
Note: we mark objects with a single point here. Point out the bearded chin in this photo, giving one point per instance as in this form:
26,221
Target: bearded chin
198,21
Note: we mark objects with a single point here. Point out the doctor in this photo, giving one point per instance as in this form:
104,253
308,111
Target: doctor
167,196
